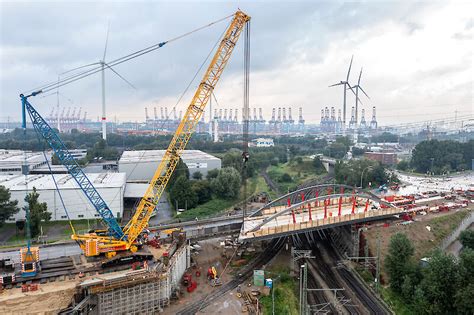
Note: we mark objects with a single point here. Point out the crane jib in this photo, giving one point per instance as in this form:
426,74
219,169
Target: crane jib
49,135
186,127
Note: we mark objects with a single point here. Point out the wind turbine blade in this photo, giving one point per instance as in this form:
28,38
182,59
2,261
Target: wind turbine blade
350,66
106,42
364,92
84,66
340,83
121,77
360,74
350,87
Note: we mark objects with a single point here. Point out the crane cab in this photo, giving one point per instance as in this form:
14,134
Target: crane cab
29,261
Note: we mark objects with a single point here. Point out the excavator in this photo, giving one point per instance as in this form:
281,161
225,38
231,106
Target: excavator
128,239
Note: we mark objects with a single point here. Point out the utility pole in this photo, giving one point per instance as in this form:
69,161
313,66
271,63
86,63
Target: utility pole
303,289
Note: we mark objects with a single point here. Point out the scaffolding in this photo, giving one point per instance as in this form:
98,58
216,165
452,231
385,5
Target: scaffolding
145,291
144,298
136,292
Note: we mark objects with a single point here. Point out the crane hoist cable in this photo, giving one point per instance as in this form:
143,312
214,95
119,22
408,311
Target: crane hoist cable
246,112
75,77
129,238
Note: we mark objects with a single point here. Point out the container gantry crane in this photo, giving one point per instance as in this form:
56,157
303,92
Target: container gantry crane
115,238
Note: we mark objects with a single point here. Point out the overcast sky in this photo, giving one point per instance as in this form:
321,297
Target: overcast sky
417,57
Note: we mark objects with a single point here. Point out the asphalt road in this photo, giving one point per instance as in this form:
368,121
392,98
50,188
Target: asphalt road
46,252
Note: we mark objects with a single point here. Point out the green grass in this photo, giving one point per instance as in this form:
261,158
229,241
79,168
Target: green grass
64,233
209,208
299,172
286,300
396,303
444,225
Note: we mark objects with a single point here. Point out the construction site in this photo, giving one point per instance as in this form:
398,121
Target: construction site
138,242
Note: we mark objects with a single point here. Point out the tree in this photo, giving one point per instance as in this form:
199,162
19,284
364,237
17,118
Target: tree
357,151
439,283
182,193
403,165
38,212
202,188
197,175
181,169
398,260
465,283
318,165
7,206
227,184
442,156
285,178
212,174
336,150
467,238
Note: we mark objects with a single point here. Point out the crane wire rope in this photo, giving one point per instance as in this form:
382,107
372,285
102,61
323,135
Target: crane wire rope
176,104
75,77
245,129
54,179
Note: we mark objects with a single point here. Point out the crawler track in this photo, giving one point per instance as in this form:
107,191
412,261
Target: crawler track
270,252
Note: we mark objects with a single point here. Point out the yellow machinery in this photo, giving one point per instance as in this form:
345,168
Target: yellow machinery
94,244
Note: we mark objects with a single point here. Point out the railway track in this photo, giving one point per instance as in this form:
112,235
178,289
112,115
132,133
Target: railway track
369,301
264,257
328,275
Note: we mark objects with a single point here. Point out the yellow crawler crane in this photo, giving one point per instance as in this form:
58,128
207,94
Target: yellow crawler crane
94,244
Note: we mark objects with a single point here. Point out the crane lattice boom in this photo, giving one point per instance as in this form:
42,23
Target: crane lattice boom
186,128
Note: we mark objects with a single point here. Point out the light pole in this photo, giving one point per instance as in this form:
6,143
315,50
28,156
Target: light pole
362,175
431,169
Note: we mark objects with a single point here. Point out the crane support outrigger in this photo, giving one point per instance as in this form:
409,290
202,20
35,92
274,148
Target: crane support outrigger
128,238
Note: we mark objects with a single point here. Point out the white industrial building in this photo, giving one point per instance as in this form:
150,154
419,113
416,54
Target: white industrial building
141,165
264,142
111,186
12,160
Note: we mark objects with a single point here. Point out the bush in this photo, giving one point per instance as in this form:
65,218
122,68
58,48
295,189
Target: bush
467,238
203,191
212,174
285,178
403,165
182,193
227,184
197,175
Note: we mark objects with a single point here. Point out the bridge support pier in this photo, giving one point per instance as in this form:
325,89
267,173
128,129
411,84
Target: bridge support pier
355,231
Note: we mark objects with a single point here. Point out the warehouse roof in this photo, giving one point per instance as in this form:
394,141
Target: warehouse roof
15,158
157,155
64,181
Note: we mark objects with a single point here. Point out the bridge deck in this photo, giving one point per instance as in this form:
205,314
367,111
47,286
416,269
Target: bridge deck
284,224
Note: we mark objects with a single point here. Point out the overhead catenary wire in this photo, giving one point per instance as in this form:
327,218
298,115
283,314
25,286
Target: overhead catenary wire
75,77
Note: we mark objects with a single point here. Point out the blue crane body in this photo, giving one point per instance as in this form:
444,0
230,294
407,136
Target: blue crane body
44,129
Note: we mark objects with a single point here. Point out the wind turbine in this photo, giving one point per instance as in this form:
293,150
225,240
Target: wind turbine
103,65
346,85
357,87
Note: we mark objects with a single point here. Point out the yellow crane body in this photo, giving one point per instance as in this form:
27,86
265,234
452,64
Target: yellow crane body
94,244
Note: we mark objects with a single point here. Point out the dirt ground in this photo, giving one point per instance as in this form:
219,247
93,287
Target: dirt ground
209,255
212,255
423,239
49,299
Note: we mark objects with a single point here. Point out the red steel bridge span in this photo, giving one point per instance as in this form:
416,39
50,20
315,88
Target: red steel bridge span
313,208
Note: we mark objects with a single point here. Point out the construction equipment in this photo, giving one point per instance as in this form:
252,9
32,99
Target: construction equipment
213,278
115,238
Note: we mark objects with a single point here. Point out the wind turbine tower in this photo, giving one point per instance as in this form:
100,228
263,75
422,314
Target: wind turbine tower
346,86
357,87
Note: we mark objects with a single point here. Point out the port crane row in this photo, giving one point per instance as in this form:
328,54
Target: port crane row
115,239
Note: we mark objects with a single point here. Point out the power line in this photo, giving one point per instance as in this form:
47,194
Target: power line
73,78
